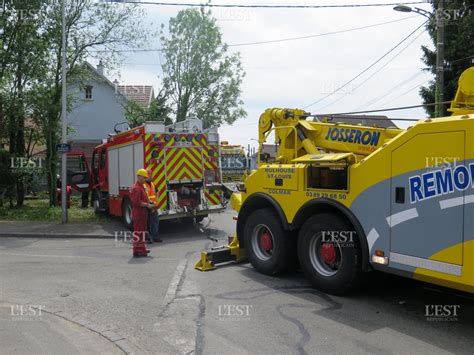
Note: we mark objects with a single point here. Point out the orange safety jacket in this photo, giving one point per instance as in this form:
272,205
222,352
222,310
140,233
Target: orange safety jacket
150,191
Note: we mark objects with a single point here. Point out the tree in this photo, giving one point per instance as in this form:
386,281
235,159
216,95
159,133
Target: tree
458,18
200,77
21,61
30,65
93,29
136,115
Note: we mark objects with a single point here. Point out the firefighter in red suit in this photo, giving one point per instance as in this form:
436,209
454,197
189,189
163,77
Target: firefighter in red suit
140,209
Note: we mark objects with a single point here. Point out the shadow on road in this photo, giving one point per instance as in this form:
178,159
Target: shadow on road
382,301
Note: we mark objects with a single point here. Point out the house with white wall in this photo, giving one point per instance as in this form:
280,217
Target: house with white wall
97,105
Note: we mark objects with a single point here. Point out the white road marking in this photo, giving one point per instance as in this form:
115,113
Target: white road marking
372,238
454,202
401,217
174,283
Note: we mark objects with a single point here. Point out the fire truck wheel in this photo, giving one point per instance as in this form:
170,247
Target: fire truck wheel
99,202
127,214
329,254
96,201
270,249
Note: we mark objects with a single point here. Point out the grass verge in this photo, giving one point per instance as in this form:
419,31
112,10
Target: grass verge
38,209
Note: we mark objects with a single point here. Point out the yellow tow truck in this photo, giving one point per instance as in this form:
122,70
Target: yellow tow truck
343,199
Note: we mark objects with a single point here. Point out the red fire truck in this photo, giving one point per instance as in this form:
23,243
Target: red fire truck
184,160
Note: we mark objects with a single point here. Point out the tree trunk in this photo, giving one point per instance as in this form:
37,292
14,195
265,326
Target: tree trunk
20,134
51,160
182,111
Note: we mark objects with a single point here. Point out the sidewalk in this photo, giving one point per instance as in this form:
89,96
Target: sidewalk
25,229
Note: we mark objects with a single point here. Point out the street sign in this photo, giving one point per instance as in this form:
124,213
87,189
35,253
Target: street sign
63,148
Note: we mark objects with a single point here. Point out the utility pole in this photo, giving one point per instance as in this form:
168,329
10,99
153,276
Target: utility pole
439,111
63,117
439,19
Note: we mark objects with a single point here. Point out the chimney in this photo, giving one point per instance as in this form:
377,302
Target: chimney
100,68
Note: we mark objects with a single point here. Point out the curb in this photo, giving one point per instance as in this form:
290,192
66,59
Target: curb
55,235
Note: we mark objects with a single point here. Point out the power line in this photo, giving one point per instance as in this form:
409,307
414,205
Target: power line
274,40
366,69
359,112
382,67
405,92
389,91
321,34
376,72
266,6
335,116
410,89
461,59
381,110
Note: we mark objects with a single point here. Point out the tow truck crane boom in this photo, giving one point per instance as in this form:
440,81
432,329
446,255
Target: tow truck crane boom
296,136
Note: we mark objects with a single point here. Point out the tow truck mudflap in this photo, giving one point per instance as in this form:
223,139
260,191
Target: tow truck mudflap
222,254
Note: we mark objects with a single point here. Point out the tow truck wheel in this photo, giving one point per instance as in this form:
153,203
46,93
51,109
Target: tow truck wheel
329,254
127,214
270,249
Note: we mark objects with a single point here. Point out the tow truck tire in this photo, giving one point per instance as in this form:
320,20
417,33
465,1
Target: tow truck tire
333,267
127,214
270,249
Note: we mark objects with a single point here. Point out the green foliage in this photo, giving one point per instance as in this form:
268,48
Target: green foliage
30,63
136,115
459,48
38,209
200,77
159,110
15,172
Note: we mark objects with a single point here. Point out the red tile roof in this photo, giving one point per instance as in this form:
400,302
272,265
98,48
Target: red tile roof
141,94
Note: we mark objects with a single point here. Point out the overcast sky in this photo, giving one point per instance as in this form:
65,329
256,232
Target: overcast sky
297,73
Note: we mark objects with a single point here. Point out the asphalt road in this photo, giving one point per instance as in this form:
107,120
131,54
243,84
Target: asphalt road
95,298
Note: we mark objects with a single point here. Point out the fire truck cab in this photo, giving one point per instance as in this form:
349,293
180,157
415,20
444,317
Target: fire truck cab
184,160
